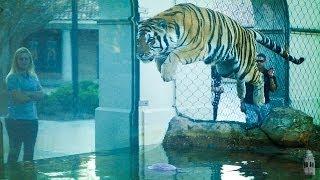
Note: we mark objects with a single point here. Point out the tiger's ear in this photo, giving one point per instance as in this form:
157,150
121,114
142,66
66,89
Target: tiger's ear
163,24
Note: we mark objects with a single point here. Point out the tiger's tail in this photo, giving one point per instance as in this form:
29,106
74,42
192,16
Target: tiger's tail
270,44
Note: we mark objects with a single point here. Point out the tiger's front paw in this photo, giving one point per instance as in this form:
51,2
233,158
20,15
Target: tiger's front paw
167,72
167,78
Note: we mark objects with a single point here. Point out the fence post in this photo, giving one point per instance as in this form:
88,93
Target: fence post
1,151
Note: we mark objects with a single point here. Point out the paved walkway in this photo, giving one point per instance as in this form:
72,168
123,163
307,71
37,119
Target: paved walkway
61,138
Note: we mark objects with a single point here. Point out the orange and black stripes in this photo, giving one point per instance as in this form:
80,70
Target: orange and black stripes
270,44
194,34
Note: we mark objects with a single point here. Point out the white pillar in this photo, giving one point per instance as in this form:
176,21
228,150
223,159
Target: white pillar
117,77
66,56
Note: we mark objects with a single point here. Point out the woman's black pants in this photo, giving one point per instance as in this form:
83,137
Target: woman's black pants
21,132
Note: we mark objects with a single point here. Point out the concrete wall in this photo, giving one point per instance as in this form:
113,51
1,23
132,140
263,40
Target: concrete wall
304,79
88,41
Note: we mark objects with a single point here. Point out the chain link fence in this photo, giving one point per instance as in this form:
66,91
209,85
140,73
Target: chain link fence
292,24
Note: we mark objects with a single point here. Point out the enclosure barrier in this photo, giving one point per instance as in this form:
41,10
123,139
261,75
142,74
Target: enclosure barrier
291,24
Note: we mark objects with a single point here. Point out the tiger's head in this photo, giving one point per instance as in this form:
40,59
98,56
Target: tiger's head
156,37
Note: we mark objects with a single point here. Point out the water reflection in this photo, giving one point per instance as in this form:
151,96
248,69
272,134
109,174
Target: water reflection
191,164
217,164
25,170
231,171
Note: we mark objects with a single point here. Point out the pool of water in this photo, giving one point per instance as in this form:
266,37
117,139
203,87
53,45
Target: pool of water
191,164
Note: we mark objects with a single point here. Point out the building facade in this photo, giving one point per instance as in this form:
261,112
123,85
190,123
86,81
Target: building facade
51,46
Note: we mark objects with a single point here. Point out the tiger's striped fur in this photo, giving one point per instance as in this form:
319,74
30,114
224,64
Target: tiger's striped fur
187,33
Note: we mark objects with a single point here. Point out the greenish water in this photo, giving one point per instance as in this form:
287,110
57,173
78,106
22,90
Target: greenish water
191,165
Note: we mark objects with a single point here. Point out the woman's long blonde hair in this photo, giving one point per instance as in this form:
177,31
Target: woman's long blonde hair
14,66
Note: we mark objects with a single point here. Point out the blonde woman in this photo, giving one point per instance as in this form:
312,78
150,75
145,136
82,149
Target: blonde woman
24,90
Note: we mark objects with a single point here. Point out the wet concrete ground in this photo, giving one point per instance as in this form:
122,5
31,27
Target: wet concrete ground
191,164
61,138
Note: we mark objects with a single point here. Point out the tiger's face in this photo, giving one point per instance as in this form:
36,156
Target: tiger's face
154,40
147,45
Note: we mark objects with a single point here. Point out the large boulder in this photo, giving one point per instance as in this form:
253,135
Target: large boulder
285,127
186,133
314,142
288,127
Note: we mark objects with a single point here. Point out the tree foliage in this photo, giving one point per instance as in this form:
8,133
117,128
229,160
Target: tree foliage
20,18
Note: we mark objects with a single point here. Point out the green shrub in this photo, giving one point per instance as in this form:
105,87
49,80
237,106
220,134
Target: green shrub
61,100
88,97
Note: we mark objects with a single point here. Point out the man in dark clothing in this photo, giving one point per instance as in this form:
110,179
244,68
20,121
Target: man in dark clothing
255,114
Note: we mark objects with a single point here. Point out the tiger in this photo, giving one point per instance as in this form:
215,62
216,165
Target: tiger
186,33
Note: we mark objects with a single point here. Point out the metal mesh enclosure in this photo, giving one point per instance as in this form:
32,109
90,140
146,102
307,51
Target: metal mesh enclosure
292,24
305,40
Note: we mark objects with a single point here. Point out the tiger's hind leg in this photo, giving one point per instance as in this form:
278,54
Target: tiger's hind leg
258,91
241,89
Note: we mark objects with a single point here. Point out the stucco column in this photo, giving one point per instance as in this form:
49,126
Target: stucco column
116,116
66,56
